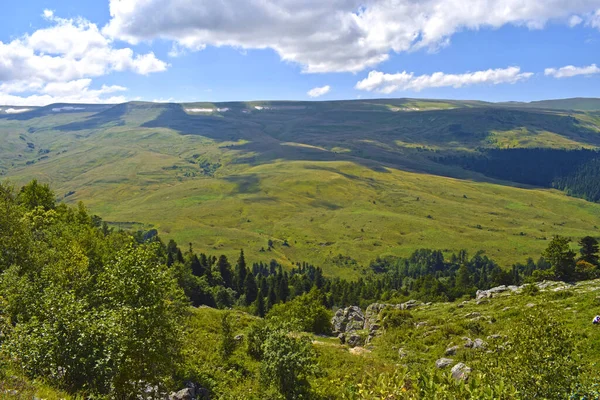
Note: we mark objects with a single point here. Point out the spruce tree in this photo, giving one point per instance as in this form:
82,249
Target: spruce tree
250,289
259,305
240,272
225,270
589,250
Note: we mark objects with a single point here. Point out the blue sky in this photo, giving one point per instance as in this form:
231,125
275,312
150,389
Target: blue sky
184,50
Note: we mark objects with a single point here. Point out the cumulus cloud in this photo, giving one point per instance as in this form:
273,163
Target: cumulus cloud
381,82
571,70
333,35
68,52
319,91
77,91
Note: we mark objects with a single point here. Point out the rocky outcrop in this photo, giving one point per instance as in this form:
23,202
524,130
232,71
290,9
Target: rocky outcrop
351,319
355,340
346,320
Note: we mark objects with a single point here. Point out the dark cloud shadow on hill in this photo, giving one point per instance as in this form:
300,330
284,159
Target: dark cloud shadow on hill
367,137
104,119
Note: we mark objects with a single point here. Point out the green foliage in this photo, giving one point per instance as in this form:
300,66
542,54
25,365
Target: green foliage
530,290
393,318
89,312
305,313
34,195
538,358
589,250
561,257
287,363
227,344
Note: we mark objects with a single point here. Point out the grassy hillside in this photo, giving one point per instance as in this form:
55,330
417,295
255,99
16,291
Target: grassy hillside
358,178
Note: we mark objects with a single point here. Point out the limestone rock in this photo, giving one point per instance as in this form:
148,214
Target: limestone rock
450,351
355,340
460,371
444,362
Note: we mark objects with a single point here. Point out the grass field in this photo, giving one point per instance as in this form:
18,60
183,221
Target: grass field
351,178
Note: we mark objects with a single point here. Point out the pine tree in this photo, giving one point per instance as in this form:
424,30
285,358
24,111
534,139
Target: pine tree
250,289
259,305
561,257
240,272
225,270
589,250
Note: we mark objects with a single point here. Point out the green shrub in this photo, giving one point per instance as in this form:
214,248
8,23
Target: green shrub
287,364
393,318
538,359
530,290
305,313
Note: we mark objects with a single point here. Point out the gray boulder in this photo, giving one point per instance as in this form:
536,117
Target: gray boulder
347,320
460,371
184,394
444,362
355,340
450,351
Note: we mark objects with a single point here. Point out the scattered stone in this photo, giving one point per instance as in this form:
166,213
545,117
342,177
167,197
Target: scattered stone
402,353
482,301
460,371
468,342
444,362
505,309
473,315
239,338
421,324
191,392
342,337
529,305
495,337
450,351
479,344
183,394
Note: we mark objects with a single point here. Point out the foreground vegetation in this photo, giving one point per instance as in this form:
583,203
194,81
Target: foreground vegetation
98,312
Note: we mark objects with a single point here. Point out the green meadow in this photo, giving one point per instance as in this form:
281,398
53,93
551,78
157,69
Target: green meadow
356,178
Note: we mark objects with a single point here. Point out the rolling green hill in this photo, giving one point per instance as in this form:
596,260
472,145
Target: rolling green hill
359,178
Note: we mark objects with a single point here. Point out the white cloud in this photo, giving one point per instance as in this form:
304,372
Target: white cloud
66,92
66,54
388,83
332,35
575,20
571,70
319,91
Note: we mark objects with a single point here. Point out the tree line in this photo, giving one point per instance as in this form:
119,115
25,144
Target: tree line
574,171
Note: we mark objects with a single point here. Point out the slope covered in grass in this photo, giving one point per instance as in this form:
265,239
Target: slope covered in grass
358,178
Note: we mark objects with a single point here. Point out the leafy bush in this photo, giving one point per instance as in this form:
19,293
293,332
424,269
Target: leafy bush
530,290
393,318
287,364
305,313
538,359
